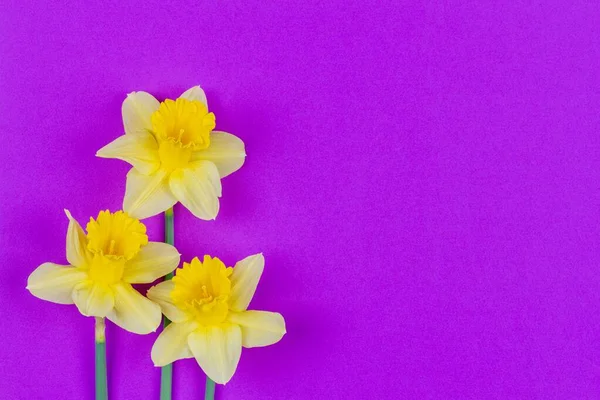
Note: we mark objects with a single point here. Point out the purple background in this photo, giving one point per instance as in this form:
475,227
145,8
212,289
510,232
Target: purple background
422,180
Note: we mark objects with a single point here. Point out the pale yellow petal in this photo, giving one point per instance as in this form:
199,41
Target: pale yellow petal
77,251
226,151
153,261
217,350
55,283
195,93
133,312
172,344
161,295
137,109
141,151
259,328
146,196
198,188
244,280
93,299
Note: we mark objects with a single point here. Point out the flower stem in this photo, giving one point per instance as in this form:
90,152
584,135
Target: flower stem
166,372
210,389
101,389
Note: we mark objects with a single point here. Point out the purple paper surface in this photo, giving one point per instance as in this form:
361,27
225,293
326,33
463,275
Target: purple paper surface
422,179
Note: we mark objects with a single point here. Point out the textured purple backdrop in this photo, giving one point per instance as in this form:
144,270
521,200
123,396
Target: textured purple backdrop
422,179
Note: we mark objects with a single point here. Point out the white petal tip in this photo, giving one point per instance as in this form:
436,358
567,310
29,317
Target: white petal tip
68,213
158,364
195,87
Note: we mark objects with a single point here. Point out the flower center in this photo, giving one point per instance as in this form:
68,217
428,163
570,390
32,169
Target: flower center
202,290
116,235
106,270
185,122
173,155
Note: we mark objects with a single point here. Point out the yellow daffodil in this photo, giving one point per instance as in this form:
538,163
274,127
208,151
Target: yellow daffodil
175,154
113,254
207,304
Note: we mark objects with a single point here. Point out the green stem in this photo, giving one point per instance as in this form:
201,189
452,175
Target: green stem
101,389
166,372
210,389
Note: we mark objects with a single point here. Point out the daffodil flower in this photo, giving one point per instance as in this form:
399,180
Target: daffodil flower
207,304
175,154
113,254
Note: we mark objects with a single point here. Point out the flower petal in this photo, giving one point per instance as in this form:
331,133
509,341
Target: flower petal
226,151
93,299
137,109
217,350
55,283
172,344
152,262
198,188
259,328
244,280
77,252
195,93
133,312
146,196
161,295
141,151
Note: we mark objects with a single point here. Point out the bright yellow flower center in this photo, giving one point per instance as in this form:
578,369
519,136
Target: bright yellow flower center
181,126
172,155
106,270
116,236
202,290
